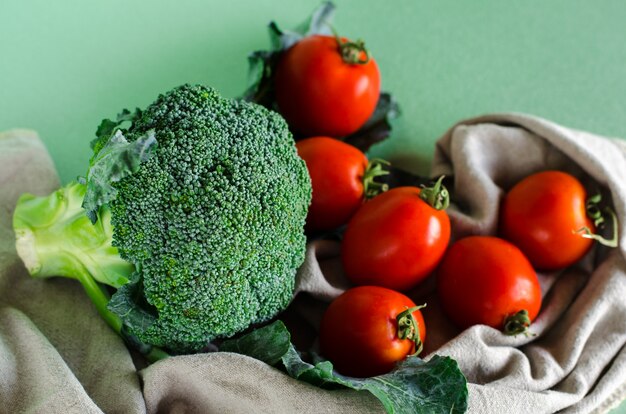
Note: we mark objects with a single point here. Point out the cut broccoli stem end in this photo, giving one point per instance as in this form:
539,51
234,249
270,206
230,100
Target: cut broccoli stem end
54,237
25,246
43,256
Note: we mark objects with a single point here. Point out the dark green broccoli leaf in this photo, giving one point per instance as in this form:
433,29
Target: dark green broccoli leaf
268,344
130,305
378,127
415,386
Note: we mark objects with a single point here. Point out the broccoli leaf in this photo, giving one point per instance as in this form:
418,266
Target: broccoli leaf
117,159
129,304
107,127
268,344
378,126
262,65
415,386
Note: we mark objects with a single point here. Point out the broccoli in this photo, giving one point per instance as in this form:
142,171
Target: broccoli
192,215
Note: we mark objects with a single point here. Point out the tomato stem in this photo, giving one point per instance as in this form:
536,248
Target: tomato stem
517,323
352,52
436,196
598,216
408,328
375,168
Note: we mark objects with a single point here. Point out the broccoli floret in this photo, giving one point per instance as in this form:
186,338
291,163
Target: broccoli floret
204,197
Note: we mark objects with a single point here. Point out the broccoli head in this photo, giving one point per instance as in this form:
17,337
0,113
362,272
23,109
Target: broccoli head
194,213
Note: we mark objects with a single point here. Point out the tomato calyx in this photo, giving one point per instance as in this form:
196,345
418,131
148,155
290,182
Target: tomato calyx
352,52
375,168
598,215
517,323
436,196
408,328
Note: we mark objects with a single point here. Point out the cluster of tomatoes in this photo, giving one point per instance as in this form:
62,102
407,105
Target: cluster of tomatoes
393,239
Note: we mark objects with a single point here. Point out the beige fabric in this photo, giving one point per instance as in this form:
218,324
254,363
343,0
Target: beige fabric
230,383
57,356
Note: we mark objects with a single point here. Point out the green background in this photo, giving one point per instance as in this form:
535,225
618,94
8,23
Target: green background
66,65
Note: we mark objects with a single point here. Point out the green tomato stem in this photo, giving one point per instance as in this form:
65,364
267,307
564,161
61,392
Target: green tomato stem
436,196
408,328
350,51
375,168
517,323
598,215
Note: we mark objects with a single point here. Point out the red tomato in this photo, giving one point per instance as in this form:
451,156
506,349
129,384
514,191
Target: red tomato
394,240
361,332
541,215
339,177
319,93
485,280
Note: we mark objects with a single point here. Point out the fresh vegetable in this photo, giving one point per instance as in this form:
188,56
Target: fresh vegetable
327,85
341,177
413,387
195,214
487,280
263,66
542,215
397,239
367,330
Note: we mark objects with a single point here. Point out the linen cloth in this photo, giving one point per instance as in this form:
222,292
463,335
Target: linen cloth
56,355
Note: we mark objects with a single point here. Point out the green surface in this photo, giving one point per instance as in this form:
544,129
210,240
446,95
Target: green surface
66,65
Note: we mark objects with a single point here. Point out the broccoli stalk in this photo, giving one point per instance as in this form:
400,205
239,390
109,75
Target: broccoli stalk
54,237
40,223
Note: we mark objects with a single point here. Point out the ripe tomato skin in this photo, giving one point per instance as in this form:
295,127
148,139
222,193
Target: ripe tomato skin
358,332
541,215
483,279
336,170
319,94
394,240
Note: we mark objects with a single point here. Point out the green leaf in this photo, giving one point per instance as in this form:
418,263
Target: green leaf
253,344
107,127
320,22
136,314
117,159
378,126
415,386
